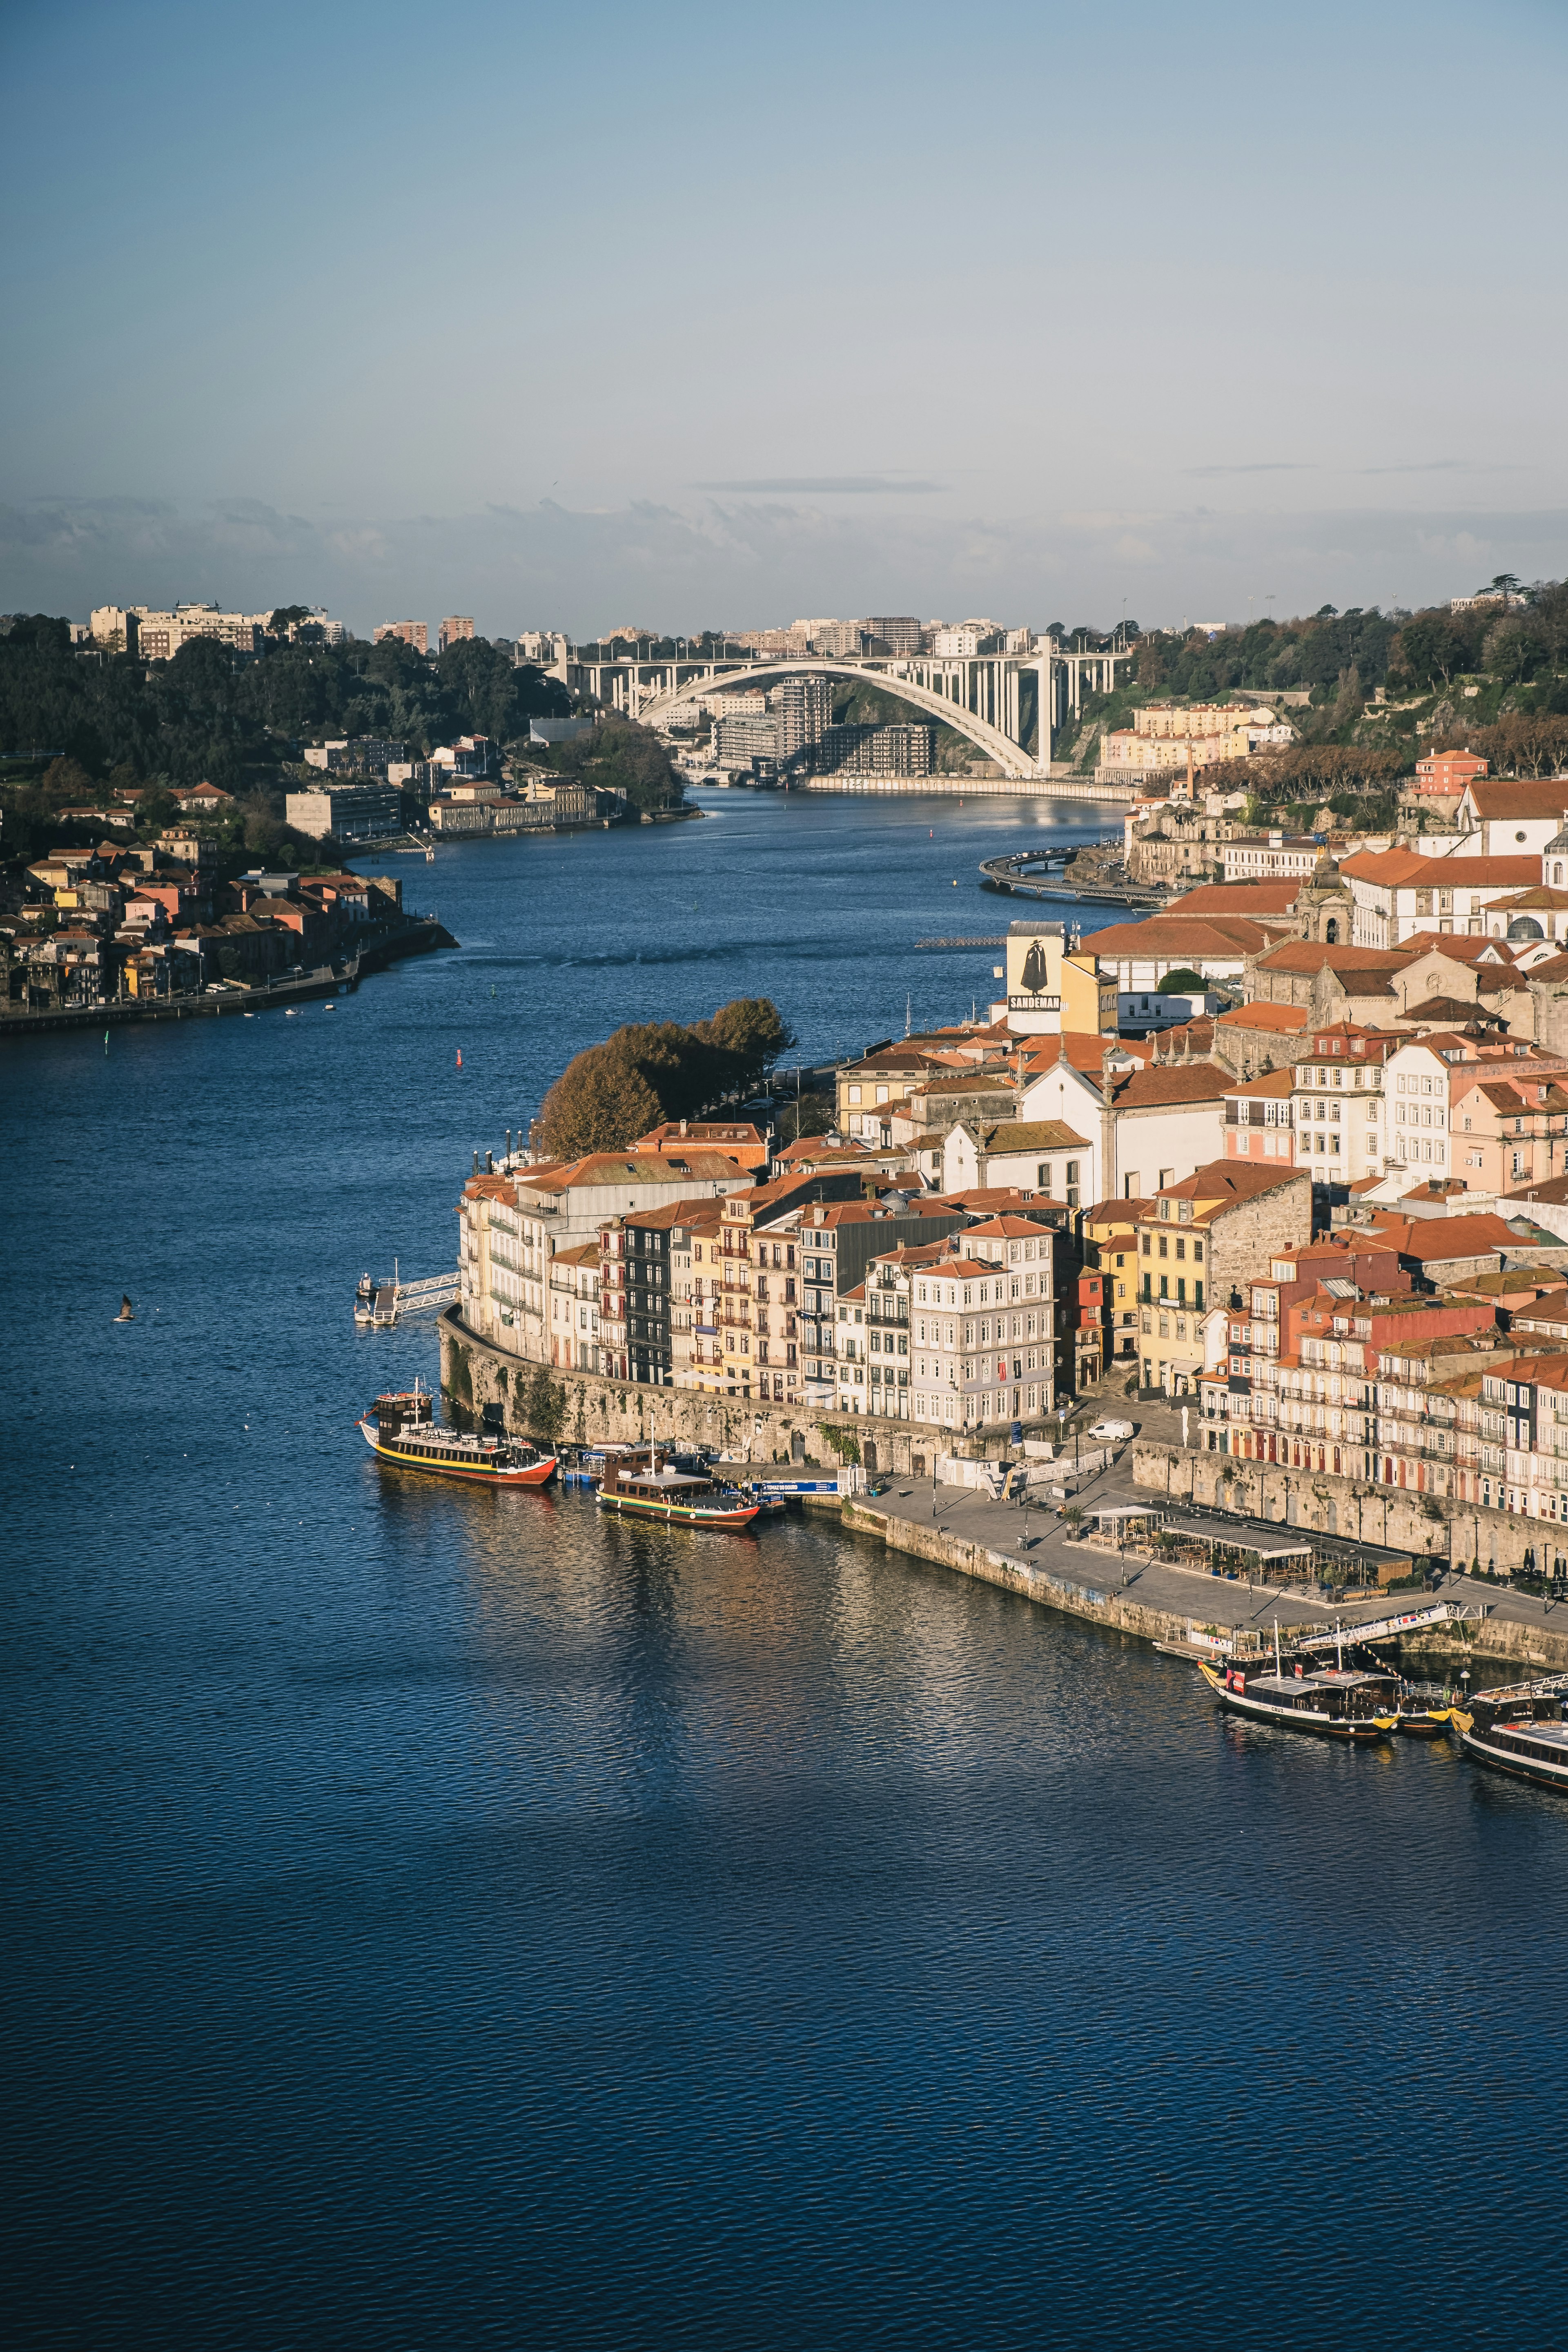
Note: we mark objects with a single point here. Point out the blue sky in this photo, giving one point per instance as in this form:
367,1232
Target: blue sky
697,315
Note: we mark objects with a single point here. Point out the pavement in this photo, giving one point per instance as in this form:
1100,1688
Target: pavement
1037,1536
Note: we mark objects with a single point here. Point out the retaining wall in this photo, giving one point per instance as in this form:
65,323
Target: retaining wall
475,1372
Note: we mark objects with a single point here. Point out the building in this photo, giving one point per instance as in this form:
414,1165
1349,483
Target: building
574,1308
416,633
1201,1241
737,1138
1258,1118
1499,818
837,1242
802,710
901,633
741,742
456,629
875,751
966,1342
348,811
1447,773
1339,1109
637,1292
1398,893
159,635
1041,1157
362,755
1268,858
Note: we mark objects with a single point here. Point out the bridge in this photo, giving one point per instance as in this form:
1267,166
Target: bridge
1011,706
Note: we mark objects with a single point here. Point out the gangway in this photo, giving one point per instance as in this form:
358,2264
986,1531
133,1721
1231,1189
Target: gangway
379,1304
1383,1629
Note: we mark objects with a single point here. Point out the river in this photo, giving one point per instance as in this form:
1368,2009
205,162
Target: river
442,1919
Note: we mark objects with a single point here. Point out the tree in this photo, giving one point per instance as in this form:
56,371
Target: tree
287,616
1183,983
67,780
753,1034
601,1102
648,1072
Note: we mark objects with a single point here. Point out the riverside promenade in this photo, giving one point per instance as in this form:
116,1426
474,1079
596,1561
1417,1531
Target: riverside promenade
1033,1553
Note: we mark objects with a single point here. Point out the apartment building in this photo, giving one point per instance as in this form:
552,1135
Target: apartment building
1258,1118
574,1308
456,629
837,1242
157,636
695,1284
416,633
901,633
979,1337
361,812
802,712
875,751
1200,1243
1339,1110
1509,1122
638,1317
513,1225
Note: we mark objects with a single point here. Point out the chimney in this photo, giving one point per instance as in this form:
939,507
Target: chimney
683,1129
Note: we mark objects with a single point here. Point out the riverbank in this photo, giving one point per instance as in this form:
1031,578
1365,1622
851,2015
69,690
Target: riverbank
420,936
1155,1602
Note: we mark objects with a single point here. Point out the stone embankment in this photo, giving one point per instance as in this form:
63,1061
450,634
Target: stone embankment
475,1372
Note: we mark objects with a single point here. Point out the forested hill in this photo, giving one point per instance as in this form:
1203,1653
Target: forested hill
207,715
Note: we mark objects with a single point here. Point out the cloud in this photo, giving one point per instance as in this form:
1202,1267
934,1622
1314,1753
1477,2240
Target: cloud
1274,466
824,485
1442,466
742,564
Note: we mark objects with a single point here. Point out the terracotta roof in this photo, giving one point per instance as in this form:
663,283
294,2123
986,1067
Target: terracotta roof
1311,955
1497,799
1176,943
1276,1082
1288,1019
1006,1228
1553,1188
1432,1238
1442,1011
1252,900
1170,1082
1029,1135
1406,869
1221,1185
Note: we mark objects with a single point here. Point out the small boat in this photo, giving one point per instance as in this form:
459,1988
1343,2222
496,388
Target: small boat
1333,1703
1503,1730
291,1012
1424,1712
659,1490
404,1432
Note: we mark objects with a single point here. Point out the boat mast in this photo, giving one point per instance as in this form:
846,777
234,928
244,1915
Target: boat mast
1277,1646
1339,1649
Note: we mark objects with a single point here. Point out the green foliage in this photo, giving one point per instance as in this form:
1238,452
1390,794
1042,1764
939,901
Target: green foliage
844,1442
543,1404
1183,983
207,714
650,1071
621,757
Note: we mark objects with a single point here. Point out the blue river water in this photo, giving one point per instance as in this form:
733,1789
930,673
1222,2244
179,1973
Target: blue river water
441,1920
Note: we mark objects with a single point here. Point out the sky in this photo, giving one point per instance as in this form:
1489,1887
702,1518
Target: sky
698,317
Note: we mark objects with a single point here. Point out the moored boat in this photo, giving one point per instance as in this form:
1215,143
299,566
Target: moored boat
1335,1703
1518,1730
403,1430
655,1489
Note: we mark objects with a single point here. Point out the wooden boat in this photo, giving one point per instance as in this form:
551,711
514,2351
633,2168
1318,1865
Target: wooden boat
654,1489
1334,1703
1504,1731
404,1432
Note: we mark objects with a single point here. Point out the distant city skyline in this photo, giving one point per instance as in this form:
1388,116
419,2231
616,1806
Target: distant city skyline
1259,316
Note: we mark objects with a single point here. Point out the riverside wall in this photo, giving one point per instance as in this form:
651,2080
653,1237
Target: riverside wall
1389,1516
1441,1650
475,1372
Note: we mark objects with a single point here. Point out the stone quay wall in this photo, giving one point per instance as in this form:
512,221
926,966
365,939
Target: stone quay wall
475,1372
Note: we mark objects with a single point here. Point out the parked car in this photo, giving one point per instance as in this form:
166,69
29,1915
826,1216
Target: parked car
1110,1433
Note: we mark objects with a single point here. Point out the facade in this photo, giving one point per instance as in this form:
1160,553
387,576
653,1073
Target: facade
411,633
1398,894
1268,858
738,742
572,1309
981,1335
1447,773
801,711
1339,1112
901,633
1202,1241
362,755
837,1242
1258,1119
875,751
348,811
455,630
158,636
1042,1157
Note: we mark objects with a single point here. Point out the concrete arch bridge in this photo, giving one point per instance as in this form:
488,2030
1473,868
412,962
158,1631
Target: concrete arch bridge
1010,706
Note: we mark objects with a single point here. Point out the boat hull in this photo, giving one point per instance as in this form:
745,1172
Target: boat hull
676,1515
1351,1731
475,1474
1541,1775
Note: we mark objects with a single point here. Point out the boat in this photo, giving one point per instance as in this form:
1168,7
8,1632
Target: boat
1334,1703
1424,1712
1502,1730
401,1428
656,1489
